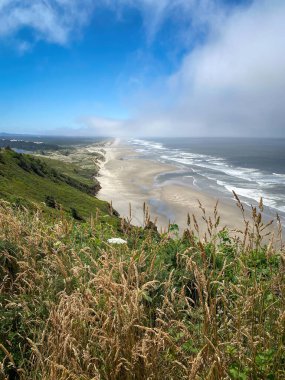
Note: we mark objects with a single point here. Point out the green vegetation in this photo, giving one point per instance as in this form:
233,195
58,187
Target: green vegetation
26,145
46,143
162,306
30,181
86,159
80,173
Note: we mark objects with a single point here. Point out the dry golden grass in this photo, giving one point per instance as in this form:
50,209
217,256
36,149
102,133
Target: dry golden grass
162,307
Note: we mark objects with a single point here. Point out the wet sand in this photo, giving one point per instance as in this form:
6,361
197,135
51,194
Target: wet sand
127,179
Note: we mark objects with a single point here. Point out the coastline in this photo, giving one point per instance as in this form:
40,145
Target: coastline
127,179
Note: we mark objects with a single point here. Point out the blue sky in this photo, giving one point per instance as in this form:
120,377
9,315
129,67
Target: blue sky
142,67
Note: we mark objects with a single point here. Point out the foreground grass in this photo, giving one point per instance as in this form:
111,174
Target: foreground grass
159,307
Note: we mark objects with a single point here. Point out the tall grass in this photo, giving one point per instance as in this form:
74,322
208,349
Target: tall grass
160,307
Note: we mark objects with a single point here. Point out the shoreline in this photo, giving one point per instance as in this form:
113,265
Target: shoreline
127,179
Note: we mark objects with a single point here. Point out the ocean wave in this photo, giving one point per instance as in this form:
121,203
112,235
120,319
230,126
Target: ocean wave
249,183
219,165
148,144
216,164
282,176
254,194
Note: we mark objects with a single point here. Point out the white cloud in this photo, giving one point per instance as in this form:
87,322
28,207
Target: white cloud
155,12
234,84
56,21
51,20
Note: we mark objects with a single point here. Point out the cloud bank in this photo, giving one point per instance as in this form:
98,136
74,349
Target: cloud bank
232,85
236,82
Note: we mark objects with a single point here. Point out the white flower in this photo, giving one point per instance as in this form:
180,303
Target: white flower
117,241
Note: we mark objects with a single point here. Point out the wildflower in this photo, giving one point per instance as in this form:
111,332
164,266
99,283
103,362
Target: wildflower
117,241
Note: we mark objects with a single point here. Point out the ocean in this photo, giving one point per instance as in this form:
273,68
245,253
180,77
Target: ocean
253,168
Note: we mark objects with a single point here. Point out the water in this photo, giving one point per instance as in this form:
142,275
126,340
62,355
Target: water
253,168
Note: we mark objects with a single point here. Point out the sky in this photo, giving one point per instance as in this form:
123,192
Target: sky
143,67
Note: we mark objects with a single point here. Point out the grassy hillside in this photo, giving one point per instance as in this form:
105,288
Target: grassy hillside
30,143
26,180
73,306
27,145
86,158
80,173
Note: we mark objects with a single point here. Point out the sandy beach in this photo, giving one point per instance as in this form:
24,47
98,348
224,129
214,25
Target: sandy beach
127,179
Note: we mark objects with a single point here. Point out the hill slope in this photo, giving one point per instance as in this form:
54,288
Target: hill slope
25,180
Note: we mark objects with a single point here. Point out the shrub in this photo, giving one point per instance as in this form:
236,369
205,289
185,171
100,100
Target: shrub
75,214
51,202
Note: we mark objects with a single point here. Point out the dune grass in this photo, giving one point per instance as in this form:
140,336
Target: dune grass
159,307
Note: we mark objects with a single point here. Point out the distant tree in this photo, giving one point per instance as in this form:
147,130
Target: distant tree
24,163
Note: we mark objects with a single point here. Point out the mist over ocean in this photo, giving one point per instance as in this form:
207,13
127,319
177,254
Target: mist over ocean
253,168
